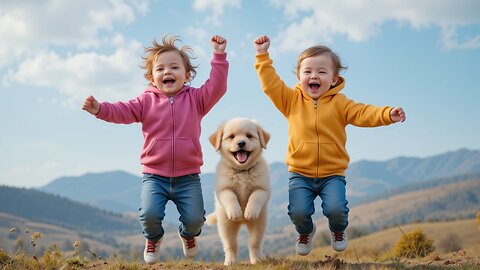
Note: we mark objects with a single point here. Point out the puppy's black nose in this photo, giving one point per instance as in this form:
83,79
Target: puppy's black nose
241,144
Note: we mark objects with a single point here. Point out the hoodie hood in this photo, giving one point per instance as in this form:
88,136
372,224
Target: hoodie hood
153,89
331,92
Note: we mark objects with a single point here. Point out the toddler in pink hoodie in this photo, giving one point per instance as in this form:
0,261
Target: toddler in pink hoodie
170,112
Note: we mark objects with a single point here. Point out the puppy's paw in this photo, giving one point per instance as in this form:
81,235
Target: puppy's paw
234,214
255,255
252,213
230,259
228,263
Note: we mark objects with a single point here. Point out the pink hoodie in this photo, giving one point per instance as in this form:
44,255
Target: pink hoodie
171,125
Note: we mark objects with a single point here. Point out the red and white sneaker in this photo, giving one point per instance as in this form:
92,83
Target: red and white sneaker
151,253
304,243
190,246
339,240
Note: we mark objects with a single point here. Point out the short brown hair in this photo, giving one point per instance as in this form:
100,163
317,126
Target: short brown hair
168,44
319,50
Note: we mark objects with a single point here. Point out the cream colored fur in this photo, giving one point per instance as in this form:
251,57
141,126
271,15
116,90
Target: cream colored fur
242,190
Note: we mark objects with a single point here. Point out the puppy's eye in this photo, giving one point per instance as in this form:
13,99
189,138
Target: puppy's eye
231,137
249,136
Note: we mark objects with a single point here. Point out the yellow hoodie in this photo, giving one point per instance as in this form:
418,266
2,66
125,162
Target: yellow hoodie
316,128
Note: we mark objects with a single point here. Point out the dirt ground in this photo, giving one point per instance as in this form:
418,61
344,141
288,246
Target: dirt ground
459,258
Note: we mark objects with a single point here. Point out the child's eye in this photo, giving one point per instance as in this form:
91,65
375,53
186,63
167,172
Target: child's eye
159,69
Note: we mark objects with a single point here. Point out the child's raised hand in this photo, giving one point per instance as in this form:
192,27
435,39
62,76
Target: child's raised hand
261,44
91,105
397,115
218,43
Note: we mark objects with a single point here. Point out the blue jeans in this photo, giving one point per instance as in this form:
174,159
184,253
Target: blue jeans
302,191
184,191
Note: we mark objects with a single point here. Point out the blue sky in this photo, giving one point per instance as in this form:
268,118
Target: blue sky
422,55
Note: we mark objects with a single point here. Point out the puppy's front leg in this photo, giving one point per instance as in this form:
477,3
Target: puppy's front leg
229,201
257,200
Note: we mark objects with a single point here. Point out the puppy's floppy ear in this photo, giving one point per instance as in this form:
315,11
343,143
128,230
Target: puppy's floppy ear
216,138
263,135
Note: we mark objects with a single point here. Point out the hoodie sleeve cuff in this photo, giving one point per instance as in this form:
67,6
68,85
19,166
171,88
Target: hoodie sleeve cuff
220,56
262,57
386,116
102,111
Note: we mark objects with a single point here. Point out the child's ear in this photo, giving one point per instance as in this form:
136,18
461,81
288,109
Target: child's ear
187,77
335,80
150,79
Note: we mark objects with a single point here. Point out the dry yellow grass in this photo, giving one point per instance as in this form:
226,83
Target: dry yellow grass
376,247
363,253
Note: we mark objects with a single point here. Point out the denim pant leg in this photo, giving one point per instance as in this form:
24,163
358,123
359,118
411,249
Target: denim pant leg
187,196
301,196
154,197
334,202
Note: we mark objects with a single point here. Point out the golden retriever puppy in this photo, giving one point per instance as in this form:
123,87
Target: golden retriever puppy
242,187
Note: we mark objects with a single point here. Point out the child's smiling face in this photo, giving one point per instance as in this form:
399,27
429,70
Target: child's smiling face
316,75
169,73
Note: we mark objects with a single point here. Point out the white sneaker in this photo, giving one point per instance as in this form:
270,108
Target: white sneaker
304,243
190,247
151,253
339,240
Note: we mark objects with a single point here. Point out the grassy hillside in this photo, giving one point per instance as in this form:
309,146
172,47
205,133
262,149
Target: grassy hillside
362,253
52,209
450,201
374,245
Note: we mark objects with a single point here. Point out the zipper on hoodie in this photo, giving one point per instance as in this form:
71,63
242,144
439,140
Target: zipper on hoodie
173,136
316,131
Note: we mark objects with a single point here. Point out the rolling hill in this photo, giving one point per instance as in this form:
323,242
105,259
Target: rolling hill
43,207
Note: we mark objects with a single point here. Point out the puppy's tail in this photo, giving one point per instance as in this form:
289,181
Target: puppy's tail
211,219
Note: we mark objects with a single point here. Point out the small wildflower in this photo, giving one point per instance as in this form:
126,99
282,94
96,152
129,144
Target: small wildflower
13,229
36,235
76,244
26,231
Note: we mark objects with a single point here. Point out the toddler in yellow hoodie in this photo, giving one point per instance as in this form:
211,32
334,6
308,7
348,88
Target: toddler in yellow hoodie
317,115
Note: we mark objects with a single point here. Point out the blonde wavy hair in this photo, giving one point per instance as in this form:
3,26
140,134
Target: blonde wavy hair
167,45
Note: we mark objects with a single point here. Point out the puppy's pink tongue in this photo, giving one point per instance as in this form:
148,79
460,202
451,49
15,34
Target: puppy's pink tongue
242,156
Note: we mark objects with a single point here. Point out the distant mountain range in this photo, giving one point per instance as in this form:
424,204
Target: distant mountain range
366,178
120,191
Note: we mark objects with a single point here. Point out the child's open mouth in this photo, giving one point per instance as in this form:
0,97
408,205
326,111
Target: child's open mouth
314,86
169,82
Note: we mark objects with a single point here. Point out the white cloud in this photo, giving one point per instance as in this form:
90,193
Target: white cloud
450,40
216,7
29,27
79,75
360,20
197,32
